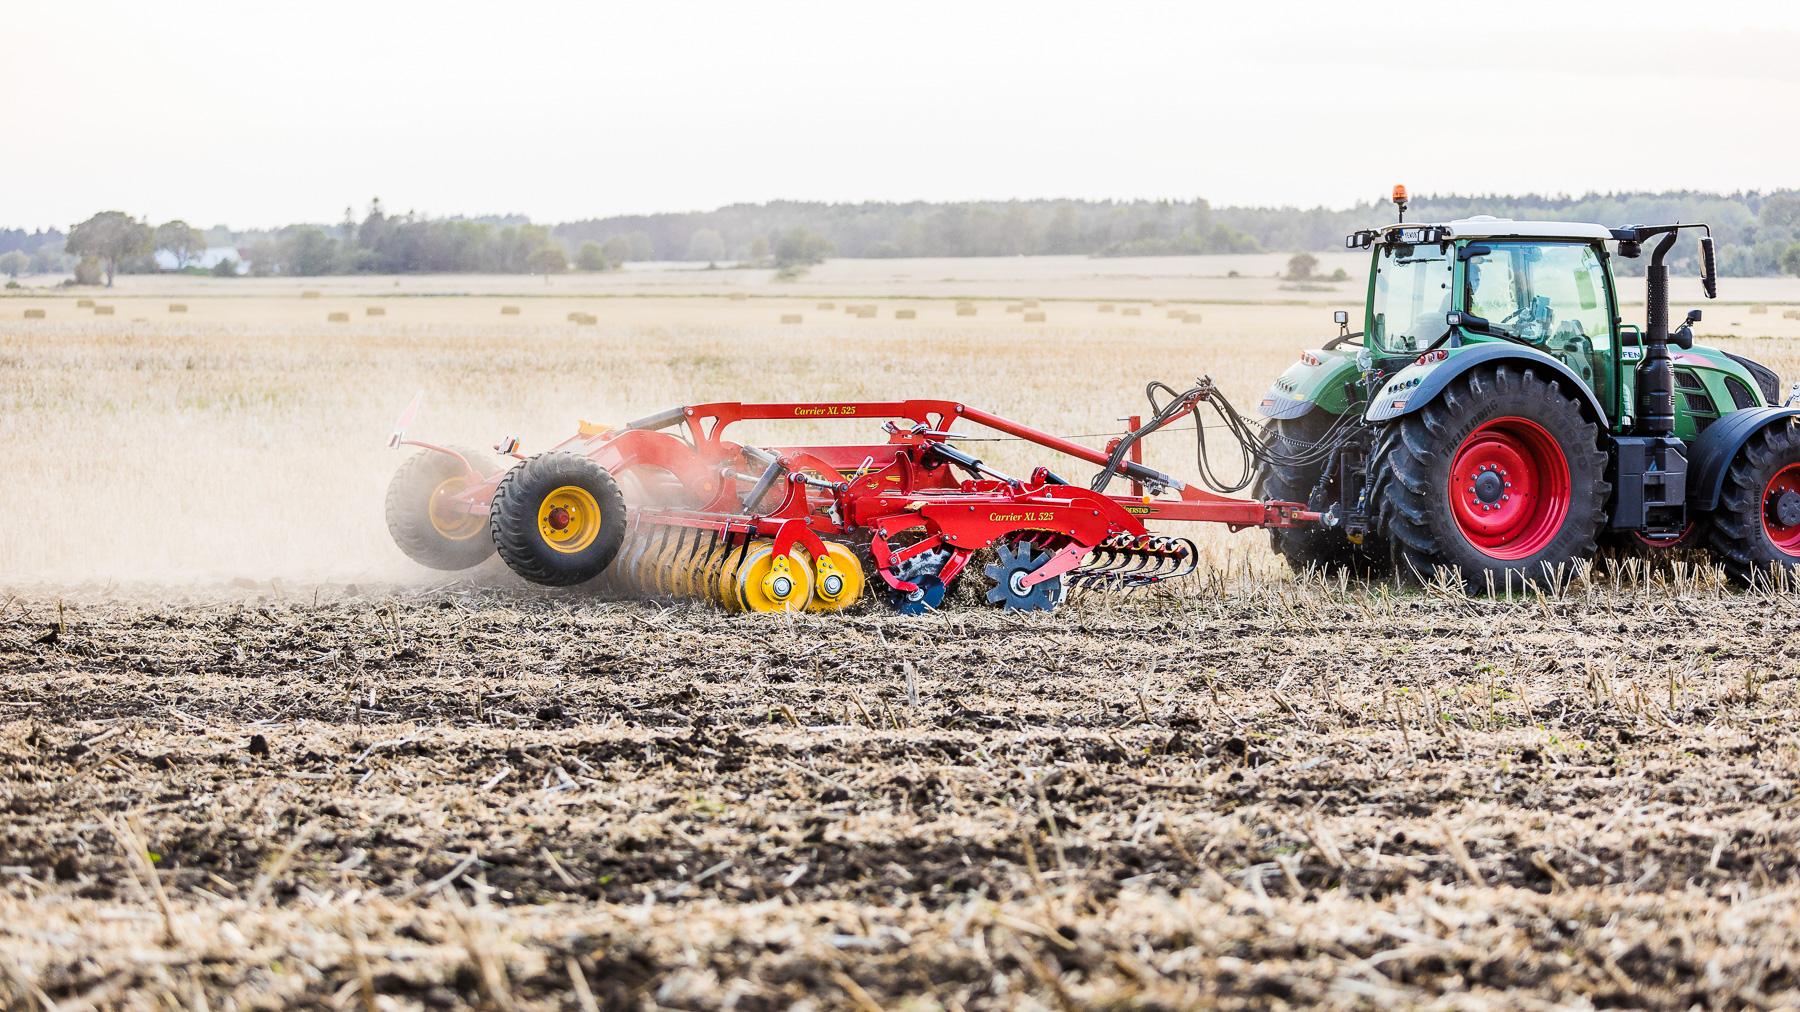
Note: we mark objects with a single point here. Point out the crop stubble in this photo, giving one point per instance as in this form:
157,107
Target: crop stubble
1248,792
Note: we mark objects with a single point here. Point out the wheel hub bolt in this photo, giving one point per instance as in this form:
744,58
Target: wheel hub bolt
782,587
559,518
834,585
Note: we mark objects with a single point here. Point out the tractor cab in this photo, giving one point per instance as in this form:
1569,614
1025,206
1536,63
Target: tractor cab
1543,285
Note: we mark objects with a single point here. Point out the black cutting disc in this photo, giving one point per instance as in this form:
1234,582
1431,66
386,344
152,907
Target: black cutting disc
1014,564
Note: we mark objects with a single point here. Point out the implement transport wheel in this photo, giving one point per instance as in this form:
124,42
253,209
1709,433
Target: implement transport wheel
1499,477
1009,592
1756,527
1312,546
424,518
557,519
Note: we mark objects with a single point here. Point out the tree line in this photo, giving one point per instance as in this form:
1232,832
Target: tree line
1759,234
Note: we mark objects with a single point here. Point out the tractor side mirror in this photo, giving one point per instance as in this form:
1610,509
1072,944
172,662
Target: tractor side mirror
1684,337
1469,320
1470,252
1709,267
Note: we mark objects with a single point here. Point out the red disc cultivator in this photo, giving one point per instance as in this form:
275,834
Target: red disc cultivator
668,507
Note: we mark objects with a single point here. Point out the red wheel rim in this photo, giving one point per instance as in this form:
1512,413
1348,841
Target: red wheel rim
1785,537
1509,488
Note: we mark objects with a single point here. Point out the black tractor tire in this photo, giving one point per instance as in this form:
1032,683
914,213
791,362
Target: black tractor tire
1761,491
1534,496
1312,547
445,542
557,519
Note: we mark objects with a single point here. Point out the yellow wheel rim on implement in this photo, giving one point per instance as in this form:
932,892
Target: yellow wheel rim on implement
448,517
837,581
770,582
569,519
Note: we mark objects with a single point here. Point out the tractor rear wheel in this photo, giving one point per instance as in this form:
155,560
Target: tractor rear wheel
1756,526
1310,547
1500,477
557,519
422,513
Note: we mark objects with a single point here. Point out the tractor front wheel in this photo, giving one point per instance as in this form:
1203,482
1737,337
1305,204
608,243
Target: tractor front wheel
1500,478
1311,546
425,519
558,519
1756,527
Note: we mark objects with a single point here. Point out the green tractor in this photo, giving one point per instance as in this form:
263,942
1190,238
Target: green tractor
1496,416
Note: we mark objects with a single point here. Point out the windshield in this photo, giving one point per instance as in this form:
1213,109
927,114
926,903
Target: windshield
1549,295
1412,294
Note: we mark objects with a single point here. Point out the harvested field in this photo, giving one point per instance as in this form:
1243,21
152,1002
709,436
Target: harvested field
235,779
1213,798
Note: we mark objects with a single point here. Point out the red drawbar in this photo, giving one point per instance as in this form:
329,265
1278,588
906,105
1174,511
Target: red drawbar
1786,537
1509,488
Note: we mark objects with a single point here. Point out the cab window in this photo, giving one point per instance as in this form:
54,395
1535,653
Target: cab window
1549,295
1411,296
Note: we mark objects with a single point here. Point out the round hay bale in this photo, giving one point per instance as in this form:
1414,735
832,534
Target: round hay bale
1106,307
790,317
84,303
34,314
866,313
177,307
309,295
1030,303
375,311
1759,309
337,317
509,310
1017,307
965,310
826,305
1034,317
1131,311
739,296
906,314
103,310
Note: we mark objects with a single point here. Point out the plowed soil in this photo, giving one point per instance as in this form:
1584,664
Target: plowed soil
1245,795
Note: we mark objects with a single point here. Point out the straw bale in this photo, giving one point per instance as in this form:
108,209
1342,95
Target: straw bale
1759,309
1190,318
790,317
337,317
509,310
906,314
375,311
1034,317
1106,307
84,303
1131,311
1791,314
103,310
177,307
34,314
309,295
866,313
1017,307
1030,303
826,305
739,296
965,310
1176,314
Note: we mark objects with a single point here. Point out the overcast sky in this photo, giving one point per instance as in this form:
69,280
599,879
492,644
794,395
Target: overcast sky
257,114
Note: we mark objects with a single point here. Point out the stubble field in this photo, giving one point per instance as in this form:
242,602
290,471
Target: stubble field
250,757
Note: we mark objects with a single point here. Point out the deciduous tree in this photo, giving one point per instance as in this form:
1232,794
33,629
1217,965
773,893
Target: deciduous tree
110,237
